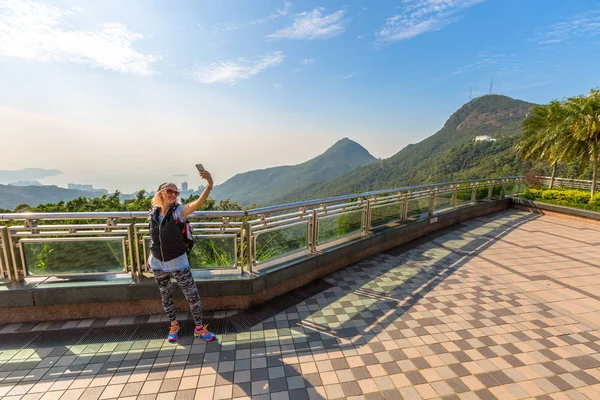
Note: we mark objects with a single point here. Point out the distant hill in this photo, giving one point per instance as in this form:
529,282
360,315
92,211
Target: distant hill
27,174
25,183
450,154
261,186
12,196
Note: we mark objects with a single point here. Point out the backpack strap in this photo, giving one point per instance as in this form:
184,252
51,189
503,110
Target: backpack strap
180,224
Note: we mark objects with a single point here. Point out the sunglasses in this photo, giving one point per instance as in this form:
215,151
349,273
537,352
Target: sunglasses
171,191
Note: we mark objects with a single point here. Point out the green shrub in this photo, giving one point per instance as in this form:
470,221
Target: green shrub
532,194
572,196
564,197
596,200
569,196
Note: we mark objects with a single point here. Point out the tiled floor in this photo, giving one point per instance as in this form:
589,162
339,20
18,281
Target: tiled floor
505,306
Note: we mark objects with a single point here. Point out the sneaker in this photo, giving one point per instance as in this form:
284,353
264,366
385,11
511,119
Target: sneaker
173,332
203,333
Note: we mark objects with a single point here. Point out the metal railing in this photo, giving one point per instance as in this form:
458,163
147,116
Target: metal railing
569,183
68,244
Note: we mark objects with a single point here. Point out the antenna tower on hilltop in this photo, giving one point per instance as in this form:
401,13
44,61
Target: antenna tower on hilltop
471,93
491,85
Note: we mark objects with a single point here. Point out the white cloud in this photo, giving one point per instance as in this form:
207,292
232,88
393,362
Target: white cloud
37,32
227,27
348,76
308,61
420,16
232,71
278,13
500,64
312,25
277,85
581,25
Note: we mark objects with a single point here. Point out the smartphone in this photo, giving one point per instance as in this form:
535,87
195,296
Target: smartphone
199,167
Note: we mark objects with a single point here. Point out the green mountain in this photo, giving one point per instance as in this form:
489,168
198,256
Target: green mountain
261,186
448,155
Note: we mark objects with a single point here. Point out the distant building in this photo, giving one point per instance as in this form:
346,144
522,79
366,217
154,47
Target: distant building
86,188
76,186
184,186
484,139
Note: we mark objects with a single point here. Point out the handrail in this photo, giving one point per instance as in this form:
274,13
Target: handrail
569,182
216,214
257,237
105,215
366,194
556,178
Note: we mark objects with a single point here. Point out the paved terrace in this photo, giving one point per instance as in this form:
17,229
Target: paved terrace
505,306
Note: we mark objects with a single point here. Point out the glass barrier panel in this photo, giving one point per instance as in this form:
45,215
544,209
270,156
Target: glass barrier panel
208,252
522,187
281,242
442,201
482,193
73,257
334,228
381,215
497,192
511,188
211,252
145,253
463,196
418,208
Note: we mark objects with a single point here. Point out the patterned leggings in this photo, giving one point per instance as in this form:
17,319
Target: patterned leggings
188,287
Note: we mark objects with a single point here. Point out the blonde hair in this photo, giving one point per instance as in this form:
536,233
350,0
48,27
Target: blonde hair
157,200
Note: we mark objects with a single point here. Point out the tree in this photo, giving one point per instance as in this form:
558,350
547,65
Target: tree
544,128
584,122
564,131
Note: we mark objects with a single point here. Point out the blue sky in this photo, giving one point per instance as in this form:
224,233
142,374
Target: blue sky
126,94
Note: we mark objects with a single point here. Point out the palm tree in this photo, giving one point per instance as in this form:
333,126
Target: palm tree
583,119
544,128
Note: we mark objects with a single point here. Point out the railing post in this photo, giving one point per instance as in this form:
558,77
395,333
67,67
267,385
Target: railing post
490,191
248,234
136,244
432,202
239,258
473,193
313,230
365,218
5,255
455,196
404,216
132,241
15,266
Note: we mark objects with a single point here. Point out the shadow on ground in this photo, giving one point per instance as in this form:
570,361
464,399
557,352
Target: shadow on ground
368,299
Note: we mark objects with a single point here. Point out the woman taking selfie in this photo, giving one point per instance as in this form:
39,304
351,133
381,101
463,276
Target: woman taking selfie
169,256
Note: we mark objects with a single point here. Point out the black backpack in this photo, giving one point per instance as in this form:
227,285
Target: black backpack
184,227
